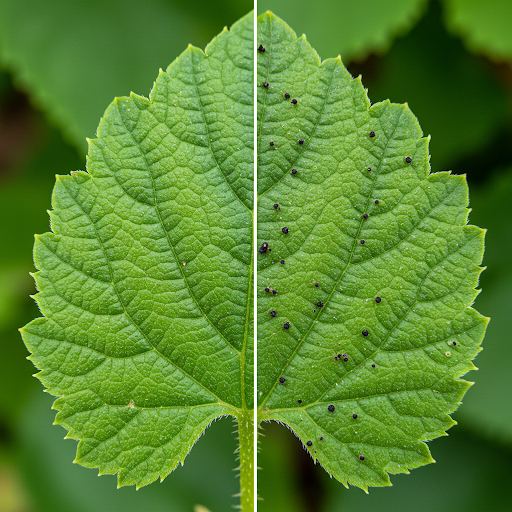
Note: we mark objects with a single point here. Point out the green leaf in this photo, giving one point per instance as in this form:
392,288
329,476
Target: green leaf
378,307
346,27
484,26
146,277
74,57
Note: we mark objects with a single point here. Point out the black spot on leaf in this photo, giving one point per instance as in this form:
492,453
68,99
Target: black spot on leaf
309,443
282,380
286,325
301,141
276,207
376,201
365,332
263,248
354,416
320,304
362,242
293,102
371,134
274,292
273,314
285,230
299,401
361,457
330,408
294,171
265,84
286,95
261,49
369,169
271,142
282,262
377,300
365,216
408,159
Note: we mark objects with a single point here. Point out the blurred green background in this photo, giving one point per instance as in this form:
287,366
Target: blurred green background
63,61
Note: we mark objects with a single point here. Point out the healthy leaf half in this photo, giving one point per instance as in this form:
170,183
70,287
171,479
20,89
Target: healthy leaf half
364,324
146,280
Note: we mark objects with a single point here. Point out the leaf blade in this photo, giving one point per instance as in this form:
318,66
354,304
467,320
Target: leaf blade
149,251
377,267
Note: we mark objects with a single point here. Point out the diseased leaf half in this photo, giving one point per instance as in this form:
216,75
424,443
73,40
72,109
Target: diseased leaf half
364,317
146,279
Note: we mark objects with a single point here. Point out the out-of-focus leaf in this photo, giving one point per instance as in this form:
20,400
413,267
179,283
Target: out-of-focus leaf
351,29
484,25
364,324
433,73
75,56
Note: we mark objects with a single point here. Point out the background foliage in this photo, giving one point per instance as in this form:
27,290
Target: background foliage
59,69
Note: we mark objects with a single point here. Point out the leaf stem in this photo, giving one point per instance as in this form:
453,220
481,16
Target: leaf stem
246,454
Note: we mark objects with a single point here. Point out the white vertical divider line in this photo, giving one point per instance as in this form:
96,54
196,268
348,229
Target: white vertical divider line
255,246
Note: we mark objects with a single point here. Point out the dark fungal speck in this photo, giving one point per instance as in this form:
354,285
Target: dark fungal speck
285,230
309,443
317,284
267,289
376,201
274,292
286,325
365,216
377,300
276,207
301,141
293,102
369,169
282,380
273,314
345,357
330,408
365,332
294,171
282,262
335,358
362,242
261,49
454,343
408,159
265,84
263,248
314,310
371,134
321,439
361,457
320,304
373,365
299,401
354,416
271,142
286,95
